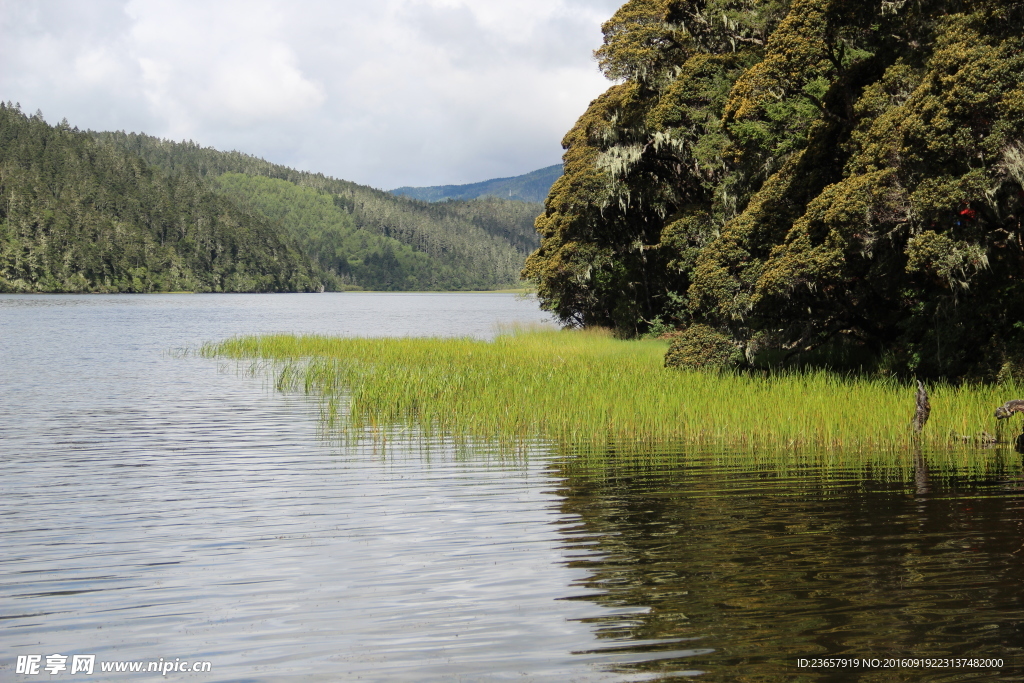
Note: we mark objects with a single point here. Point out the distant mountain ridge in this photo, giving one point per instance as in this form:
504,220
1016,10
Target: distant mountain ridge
530,187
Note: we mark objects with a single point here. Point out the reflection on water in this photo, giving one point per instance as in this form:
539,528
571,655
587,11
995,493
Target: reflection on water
762,568
158,506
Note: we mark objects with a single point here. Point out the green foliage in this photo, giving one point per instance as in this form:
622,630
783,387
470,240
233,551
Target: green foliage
808,172
395,242
699,347
328,234
506,220
77,216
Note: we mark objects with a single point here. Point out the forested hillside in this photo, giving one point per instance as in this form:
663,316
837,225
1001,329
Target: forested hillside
78,216
529,187
328,234
399,243
802,176
511,221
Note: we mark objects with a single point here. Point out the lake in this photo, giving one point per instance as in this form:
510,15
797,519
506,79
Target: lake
156,506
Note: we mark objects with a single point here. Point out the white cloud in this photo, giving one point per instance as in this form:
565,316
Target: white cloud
219,63
387,93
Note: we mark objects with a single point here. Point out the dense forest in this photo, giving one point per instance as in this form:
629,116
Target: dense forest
787,179
529,187
399,243
114,212
78,216
328,233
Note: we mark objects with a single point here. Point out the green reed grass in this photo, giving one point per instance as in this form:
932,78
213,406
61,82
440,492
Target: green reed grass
587,389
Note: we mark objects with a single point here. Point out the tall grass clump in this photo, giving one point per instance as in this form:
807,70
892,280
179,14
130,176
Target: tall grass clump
585,388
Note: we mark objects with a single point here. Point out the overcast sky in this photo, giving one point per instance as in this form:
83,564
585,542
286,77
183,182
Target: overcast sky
381,92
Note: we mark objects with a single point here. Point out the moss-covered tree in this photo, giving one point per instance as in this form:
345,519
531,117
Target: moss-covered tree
801,176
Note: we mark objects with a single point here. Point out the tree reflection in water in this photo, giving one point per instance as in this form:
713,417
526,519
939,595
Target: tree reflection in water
736,569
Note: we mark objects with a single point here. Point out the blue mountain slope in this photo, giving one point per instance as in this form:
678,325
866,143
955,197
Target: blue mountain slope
531,187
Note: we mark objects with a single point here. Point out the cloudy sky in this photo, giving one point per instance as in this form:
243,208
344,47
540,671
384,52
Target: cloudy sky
382,92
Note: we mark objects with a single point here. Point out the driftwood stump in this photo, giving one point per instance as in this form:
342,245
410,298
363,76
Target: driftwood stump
924,408
1004,411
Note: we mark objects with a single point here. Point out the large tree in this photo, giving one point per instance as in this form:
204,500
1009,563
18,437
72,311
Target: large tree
802,174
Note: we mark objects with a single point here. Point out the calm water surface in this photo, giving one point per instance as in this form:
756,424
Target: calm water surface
158,506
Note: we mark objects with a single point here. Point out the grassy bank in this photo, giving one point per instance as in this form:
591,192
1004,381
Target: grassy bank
581,388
